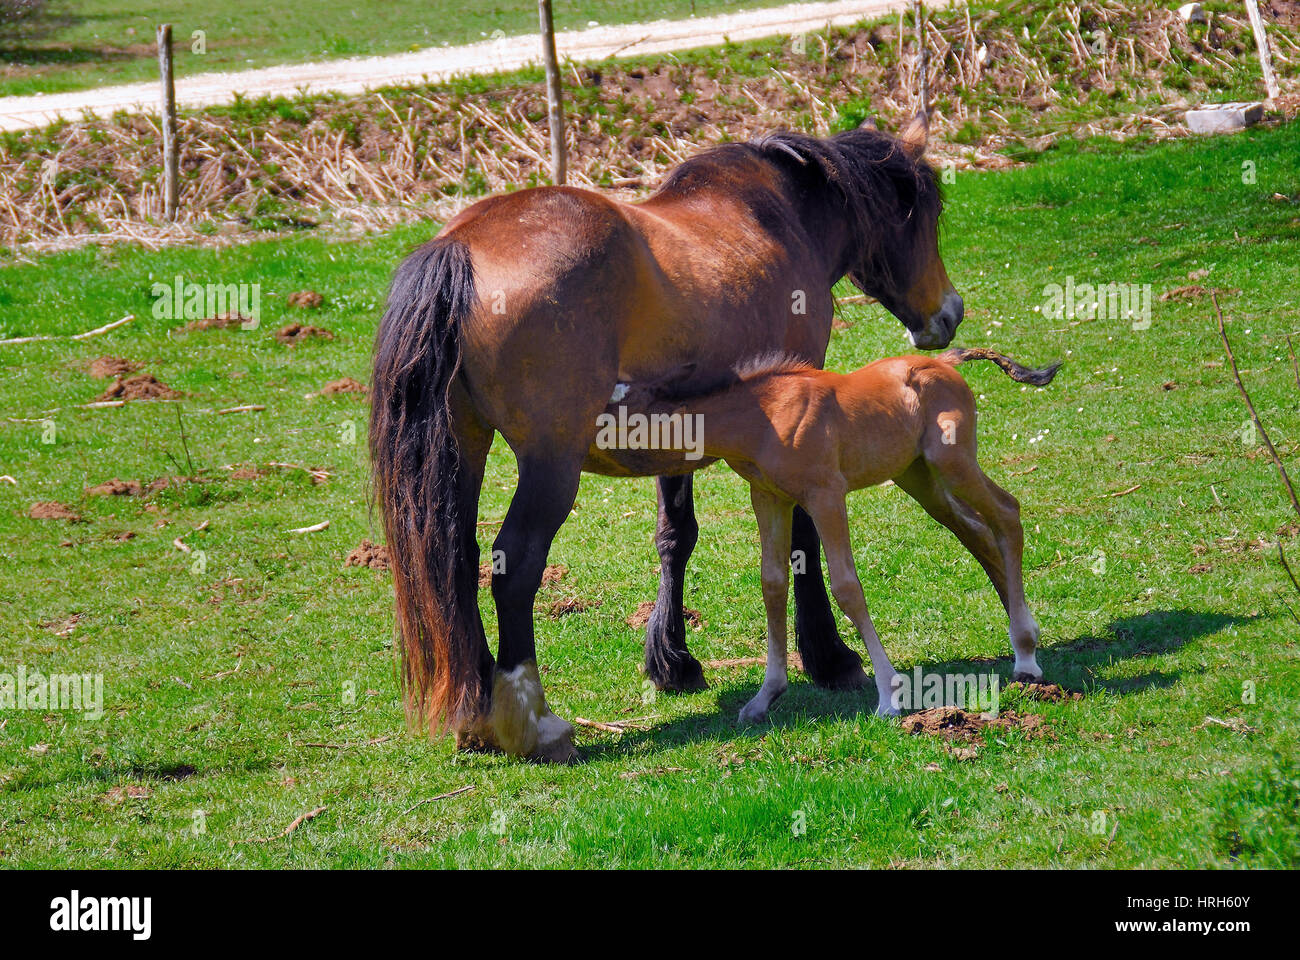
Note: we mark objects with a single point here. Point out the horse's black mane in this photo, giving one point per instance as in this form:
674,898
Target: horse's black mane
880,187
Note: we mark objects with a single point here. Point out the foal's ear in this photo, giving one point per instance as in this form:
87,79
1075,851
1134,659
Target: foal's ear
869,124
915,134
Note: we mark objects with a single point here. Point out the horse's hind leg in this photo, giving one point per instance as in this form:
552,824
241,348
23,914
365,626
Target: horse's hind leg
474,440
667,661
961,475
919,483
523,724
773,515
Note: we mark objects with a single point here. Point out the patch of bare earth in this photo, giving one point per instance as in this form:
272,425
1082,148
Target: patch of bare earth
368,554
567,605
51,510
141,386
102,368
116,488
641,616
221,321
292,334
63,626
305,299
343,385
130,791
552,575
1194,291
1046,692
957,725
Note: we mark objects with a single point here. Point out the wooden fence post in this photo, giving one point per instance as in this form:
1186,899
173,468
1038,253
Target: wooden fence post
171,171
922,58
1265,55
554,95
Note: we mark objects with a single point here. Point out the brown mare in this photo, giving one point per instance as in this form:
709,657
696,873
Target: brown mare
805,436
521,317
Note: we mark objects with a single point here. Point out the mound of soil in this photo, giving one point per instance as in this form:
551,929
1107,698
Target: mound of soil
221,321
566,605
305,299
955,724
294,333
101,368
116,488
1046,692
368,554
553,574
51,510
641,616
344,385
142,386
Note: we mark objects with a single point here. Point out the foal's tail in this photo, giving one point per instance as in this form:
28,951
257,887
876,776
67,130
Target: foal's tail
416,463
1039,377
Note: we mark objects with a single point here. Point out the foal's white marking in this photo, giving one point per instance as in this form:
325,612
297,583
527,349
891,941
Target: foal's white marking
620,391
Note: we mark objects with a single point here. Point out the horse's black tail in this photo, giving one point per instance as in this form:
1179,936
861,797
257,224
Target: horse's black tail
1039,377
416,463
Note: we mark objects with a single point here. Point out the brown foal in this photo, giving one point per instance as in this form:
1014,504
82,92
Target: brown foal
803,436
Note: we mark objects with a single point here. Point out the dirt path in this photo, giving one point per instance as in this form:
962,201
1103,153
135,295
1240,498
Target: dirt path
440,63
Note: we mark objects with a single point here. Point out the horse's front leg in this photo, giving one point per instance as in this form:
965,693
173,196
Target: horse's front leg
773,515
667,661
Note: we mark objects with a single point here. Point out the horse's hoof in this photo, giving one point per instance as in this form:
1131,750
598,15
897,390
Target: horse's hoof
1026,676
851,678
684,675
886,711
752,713
554,741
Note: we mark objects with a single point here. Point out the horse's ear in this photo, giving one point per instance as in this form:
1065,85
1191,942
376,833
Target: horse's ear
869,124
915,134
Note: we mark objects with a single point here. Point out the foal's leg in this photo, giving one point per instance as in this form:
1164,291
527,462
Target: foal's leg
829,513
827,660
919,483
667,661
523,724
773,515
961,474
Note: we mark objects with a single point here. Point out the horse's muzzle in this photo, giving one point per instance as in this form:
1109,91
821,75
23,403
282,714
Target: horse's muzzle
942,326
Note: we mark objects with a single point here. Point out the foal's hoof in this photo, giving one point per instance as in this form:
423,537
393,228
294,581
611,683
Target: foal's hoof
554,741
886,710
752,713
1027,676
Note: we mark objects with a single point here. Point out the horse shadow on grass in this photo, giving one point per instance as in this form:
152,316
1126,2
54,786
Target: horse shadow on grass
1077,664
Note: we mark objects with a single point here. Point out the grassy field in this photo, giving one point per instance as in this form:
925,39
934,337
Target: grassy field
219,681
85,43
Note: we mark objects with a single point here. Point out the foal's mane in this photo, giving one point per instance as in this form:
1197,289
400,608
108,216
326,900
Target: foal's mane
870,178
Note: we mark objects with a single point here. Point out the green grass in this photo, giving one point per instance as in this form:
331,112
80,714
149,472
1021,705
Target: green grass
88,43
1155,647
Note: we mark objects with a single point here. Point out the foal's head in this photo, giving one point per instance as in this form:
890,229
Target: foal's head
891,198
